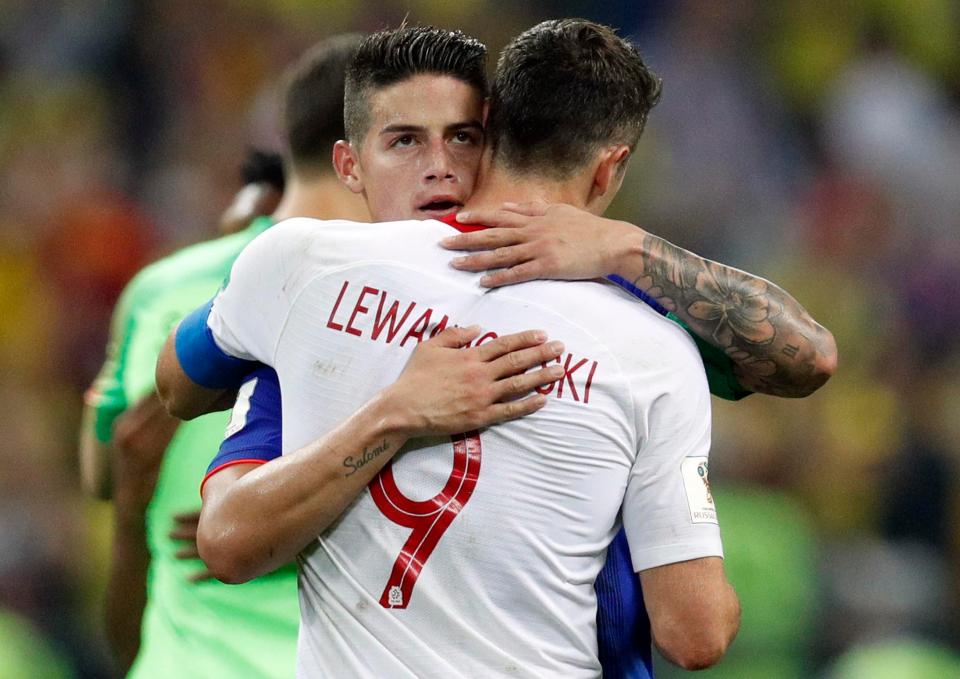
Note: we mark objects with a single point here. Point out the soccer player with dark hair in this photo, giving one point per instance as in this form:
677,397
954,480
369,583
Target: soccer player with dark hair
200,628
324,304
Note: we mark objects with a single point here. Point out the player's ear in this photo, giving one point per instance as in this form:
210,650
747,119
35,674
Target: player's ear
608,176
347,165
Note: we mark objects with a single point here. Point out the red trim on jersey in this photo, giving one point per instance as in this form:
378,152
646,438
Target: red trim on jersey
451,220
224,466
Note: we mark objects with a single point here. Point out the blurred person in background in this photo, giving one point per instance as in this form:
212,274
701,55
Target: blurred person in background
131,449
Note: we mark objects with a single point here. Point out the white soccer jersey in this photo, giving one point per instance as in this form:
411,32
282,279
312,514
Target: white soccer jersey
473,556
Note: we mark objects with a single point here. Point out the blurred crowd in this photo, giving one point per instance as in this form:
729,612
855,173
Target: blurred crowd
814,143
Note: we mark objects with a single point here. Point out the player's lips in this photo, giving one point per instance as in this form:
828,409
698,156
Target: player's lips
440,206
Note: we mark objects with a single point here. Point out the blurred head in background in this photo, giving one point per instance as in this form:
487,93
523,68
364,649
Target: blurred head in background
311,123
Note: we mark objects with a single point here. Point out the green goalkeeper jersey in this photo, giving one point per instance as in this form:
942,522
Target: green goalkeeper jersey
204,629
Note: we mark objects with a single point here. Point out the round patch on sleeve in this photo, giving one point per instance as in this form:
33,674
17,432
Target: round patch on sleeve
697,484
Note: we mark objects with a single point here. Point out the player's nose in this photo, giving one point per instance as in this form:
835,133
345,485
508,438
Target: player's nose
439,163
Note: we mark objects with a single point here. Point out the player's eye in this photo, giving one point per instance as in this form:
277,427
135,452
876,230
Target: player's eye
405,140
464,137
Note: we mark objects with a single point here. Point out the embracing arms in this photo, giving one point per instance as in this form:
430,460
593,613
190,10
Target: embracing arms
776,347
257,517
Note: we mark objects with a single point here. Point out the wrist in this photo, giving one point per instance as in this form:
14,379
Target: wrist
628,251
392,415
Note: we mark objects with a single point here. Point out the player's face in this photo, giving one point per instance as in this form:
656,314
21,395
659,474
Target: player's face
420,156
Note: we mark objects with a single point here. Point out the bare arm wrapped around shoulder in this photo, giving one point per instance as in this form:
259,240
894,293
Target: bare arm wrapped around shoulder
776,347
255,518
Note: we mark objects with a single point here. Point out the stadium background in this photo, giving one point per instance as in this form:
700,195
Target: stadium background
814,143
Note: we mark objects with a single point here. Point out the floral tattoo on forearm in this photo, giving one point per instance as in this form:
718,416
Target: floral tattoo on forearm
771,339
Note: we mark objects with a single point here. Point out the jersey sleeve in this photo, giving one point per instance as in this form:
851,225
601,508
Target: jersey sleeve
106,396
248,313
254,434
668,512
202,359
623,629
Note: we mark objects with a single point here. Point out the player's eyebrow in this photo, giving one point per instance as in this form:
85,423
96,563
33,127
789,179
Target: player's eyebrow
415,129
469,125
402,129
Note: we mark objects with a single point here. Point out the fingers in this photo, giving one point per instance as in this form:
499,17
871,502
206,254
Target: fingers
185,527
494,218
527,271
522,360
487,239
456,337
494,349
187,517
188,552
536,208
499,258
524,383
512,410
200,576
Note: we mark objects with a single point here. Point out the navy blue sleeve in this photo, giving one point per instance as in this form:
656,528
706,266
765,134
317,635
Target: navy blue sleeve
637,292
623,628
202,360
255,432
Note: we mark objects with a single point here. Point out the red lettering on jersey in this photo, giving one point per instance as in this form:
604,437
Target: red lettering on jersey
423,322
441,326
381,320
359,308
568,377
336,305
485,338
586,390
547,388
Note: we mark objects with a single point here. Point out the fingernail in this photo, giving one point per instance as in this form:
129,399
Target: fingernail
445,242
540,335
457,261
485,281
555,371
555,347
463,216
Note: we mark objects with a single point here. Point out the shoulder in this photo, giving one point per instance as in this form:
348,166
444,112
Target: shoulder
194,263
652,351
333,243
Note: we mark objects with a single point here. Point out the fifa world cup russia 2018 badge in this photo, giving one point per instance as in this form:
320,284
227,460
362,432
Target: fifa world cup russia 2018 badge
702,472
696,483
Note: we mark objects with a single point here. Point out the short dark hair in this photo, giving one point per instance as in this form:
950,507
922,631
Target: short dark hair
263,167
312,110
562,90
388,57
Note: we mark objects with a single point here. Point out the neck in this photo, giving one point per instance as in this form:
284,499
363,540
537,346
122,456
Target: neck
497,186
320,197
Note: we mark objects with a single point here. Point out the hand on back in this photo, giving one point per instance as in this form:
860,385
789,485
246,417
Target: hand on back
448,386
